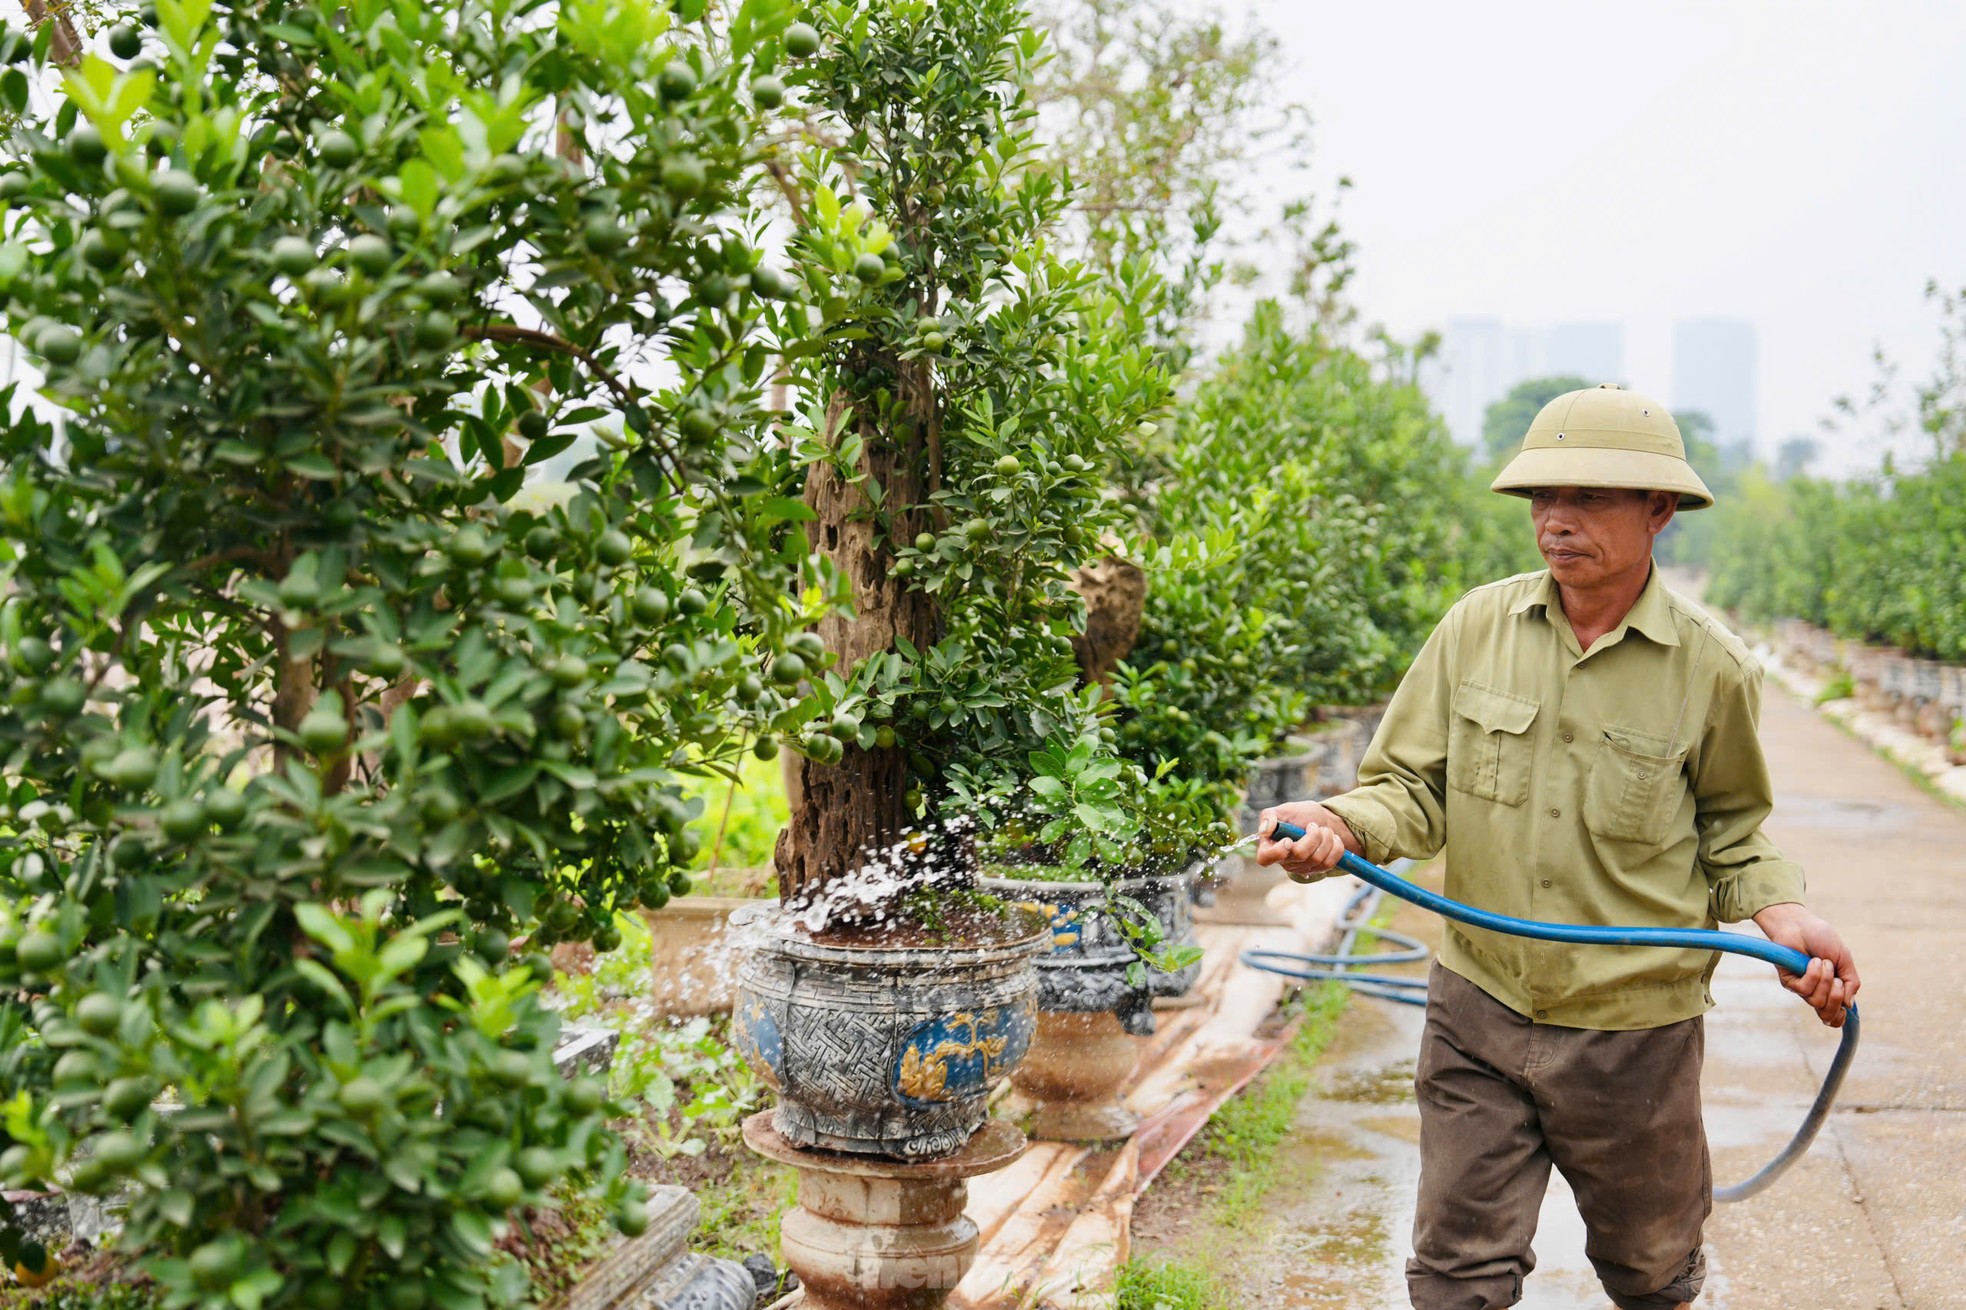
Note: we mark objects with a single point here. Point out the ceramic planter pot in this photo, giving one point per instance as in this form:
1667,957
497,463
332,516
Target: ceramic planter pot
1287,777
1316,764
1084,971
694,955
1091,1020
1171,900
884,1049
1072,1081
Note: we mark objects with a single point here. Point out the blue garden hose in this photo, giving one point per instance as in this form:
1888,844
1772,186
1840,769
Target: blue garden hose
1698,939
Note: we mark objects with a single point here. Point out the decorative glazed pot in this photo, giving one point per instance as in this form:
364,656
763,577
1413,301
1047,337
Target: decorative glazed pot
884,1049
1090,1018
694,956
1316,764
1287,777
1084,972
1171,900
1072,1081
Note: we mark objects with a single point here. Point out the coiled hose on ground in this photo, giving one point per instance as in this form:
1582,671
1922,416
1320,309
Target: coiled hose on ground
1412,991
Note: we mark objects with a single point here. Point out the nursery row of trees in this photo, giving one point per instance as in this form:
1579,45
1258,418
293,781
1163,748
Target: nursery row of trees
320,715
1876,558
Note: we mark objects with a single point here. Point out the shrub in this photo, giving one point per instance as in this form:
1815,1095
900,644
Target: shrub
1878,560
1311,522
307,718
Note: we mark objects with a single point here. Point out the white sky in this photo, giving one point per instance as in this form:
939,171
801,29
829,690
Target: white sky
1799,165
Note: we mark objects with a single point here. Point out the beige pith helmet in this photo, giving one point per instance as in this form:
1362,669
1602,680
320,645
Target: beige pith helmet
1604,436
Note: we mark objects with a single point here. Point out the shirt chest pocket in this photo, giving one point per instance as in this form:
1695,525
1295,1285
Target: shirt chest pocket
1488,745
1632,793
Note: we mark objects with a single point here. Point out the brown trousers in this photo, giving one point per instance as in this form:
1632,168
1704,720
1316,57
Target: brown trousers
1502,1098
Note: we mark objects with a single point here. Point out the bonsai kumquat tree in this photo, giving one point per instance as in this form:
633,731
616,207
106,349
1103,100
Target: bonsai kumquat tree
962,417
311,715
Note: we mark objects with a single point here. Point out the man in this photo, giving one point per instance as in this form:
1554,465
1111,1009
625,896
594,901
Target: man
1583,742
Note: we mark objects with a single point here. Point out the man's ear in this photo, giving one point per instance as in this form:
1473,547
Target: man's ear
1664,504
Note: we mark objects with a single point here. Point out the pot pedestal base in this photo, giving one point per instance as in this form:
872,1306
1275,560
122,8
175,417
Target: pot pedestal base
1069,1084
876,1234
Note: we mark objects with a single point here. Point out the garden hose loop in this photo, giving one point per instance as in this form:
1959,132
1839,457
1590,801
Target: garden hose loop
1318,967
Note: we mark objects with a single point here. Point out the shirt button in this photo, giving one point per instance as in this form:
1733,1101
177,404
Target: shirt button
1567,737
1542,1014
1546,882
1556,814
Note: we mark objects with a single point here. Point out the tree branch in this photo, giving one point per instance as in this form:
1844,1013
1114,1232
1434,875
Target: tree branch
512,334
66,46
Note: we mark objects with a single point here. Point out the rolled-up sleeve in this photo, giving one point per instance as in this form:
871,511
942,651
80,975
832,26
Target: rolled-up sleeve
1745,871
1398,808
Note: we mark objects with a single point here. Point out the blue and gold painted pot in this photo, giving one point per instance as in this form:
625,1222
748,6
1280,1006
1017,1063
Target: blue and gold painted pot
885,1050
1085,970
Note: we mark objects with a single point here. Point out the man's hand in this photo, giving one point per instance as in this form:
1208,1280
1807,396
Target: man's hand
1831,982
1315,854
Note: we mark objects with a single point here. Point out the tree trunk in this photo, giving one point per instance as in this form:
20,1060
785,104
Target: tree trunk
1115,595
842,813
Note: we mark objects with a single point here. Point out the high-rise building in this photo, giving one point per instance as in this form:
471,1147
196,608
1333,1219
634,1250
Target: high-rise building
1713,371
1471,363
1481,358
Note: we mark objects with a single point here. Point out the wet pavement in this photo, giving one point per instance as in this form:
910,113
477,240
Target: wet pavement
1873,1219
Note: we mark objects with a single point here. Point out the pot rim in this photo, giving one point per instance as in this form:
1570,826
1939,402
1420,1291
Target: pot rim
1093,885
785,937
699,907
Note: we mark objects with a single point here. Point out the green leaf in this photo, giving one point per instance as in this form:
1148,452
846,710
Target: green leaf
316,973
474,1230
321,924
312,465
392,1234
775,508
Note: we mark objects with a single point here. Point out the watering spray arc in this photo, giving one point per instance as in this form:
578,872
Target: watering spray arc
1412,990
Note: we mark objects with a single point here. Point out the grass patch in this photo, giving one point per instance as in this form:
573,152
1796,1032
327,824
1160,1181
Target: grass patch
1167,1285
741,1210
1839,687
1242,1139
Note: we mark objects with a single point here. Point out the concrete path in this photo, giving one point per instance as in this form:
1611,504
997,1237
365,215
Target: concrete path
1873,1219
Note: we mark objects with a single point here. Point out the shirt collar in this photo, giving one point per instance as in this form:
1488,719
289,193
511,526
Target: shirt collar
1650,615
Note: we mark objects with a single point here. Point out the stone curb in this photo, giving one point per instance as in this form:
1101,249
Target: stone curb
1880,732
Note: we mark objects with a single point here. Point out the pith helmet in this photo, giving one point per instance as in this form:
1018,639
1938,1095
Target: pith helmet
1604,436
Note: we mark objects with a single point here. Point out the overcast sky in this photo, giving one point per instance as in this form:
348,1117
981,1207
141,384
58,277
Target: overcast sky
1799,165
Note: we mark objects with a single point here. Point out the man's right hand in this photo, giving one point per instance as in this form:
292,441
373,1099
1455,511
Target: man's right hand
1312,856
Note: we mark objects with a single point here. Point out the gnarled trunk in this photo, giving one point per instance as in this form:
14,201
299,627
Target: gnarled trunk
840,813
1115,595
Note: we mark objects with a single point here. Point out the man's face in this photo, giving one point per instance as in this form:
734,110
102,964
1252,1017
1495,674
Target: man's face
1591,534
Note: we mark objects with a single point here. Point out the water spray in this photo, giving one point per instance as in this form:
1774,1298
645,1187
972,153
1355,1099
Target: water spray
1699,939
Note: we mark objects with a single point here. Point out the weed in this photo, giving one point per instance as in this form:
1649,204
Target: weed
741,1210
692,1088
1839,687
1167,1285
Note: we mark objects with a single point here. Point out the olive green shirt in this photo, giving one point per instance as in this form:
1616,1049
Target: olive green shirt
1621,786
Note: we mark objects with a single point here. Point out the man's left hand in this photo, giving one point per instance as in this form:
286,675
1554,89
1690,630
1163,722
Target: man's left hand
1830,983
